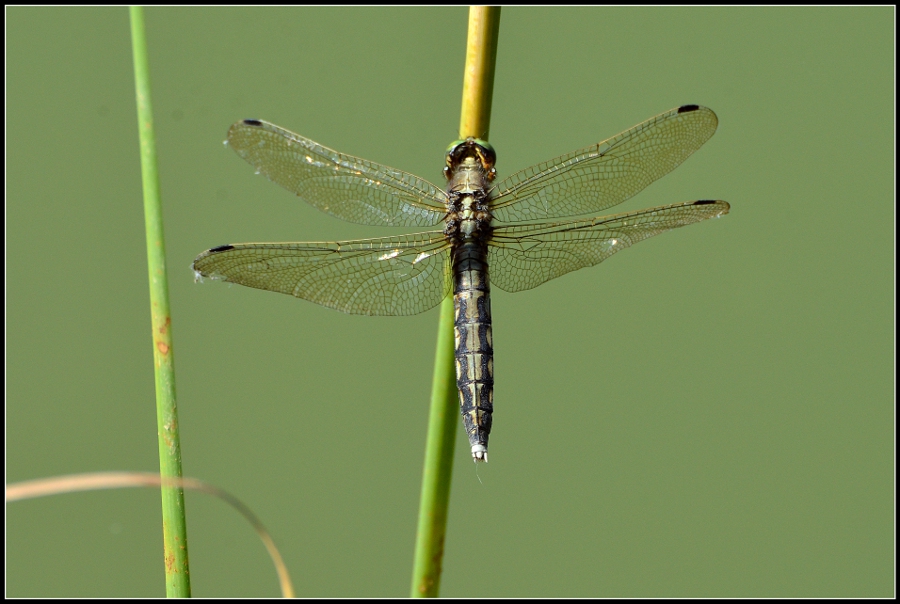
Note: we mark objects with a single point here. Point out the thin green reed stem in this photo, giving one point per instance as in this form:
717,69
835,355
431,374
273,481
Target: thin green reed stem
178,582
481,53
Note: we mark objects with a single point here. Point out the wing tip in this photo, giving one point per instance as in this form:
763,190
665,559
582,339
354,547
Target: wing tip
200,272
724,206
698,108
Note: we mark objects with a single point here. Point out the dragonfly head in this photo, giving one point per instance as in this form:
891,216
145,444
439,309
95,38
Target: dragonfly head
471,148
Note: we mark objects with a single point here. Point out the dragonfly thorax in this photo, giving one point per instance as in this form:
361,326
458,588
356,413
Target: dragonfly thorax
468,197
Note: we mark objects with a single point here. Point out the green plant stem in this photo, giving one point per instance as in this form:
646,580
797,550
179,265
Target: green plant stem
481,53
178,582
435,498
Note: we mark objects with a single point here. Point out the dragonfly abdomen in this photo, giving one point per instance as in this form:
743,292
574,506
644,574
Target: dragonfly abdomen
474,343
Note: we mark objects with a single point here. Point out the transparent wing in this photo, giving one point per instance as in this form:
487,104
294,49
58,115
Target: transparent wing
347,187
606,174
402,275
524,256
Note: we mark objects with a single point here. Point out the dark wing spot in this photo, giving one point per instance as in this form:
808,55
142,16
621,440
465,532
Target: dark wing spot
686,108
702,202
259,123
221,248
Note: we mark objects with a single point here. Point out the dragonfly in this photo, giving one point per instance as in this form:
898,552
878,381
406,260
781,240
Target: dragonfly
505,233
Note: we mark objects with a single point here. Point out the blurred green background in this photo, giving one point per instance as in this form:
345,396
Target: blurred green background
707,414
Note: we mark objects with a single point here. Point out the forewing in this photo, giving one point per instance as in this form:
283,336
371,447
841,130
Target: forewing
402,275
347,187
606,174
524,256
